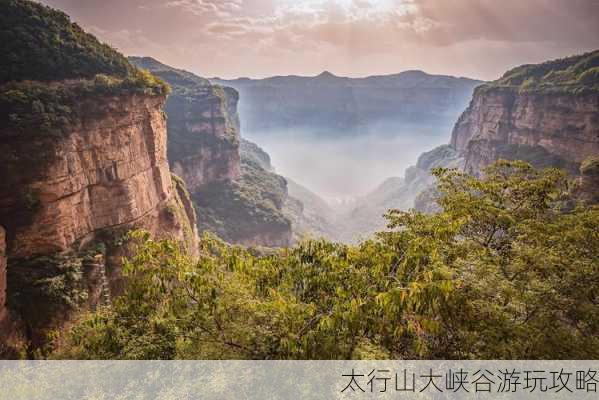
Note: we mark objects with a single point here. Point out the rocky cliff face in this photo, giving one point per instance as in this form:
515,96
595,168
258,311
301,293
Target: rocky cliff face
234,188
546,114
203,126
107,172
106,175
83,160
500,121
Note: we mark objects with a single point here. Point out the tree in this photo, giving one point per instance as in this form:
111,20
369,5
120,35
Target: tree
503,271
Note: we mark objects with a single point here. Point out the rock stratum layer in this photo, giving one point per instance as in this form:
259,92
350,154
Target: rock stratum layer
546,114
107,172
107,175
83,156
237,195
499,121
203,126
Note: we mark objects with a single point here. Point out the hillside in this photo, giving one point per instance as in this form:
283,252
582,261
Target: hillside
574,74
231,182
367,215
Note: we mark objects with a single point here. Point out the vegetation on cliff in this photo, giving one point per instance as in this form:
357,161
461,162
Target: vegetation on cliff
577,74
502,271
49,64
194,102
243,210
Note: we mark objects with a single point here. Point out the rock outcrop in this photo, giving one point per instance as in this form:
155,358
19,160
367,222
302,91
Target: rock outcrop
83,156
109,171
546,114
236,192
203,126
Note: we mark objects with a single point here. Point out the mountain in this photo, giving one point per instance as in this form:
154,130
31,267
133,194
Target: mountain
339,106
546,114
202,123
366,216
238,198
83,161
310,215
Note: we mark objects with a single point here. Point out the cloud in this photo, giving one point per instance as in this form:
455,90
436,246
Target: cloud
230,38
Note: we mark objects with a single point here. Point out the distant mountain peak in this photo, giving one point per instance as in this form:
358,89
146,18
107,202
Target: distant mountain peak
326,74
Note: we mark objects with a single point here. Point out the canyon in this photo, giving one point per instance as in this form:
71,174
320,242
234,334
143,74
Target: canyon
232,184
93,146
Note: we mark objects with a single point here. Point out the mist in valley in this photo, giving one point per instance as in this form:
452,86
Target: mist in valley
341,169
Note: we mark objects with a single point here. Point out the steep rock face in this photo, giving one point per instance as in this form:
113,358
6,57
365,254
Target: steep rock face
209,129
248,210
566,126
83,161
107,172
545,113
234,188
338,106
105,175
203,126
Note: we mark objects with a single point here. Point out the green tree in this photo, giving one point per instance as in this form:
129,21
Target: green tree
503,271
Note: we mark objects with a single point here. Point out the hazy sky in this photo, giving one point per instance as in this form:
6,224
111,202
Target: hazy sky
257,38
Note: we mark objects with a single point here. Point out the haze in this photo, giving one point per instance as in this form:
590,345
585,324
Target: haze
344,168
258,38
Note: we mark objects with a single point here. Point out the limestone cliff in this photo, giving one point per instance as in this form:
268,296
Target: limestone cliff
203,126
236,195
83,160
108,171
546,114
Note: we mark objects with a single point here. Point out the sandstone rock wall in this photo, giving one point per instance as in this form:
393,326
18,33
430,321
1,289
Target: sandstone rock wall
107,172
565,125
73,195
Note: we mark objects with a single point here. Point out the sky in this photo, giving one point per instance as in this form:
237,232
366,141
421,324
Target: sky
258,38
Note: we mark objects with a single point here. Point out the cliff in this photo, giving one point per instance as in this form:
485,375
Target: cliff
83,161
339,106
545,114
237,196
248,210
203,126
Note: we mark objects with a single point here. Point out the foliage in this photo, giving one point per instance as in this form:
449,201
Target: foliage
51,109
40,43
240,209
51,65
576,74
502,271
